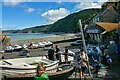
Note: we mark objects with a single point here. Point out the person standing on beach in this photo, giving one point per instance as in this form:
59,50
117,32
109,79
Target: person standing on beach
57,52
51,53
82,59
66,54
2,55
41,75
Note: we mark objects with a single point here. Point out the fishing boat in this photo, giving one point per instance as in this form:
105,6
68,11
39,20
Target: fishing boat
47,43
71,53
9,49
24,52
61,72
40,45
23,65
33,46
18,48
25,45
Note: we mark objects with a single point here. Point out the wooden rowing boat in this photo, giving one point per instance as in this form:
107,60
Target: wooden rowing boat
61,72
23,65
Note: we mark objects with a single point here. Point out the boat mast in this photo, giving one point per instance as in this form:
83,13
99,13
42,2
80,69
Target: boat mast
84,45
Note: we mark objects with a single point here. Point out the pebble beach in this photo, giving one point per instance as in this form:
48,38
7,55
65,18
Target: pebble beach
42,51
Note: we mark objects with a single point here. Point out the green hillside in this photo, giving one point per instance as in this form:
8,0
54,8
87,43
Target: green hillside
67,24
70,23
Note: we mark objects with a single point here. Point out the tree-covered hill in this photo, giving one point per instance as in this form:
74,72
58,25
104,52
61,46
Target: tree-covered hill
70,23
67,24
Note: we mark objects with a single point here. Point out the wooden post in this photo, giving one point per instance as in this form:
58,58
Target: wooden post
84,44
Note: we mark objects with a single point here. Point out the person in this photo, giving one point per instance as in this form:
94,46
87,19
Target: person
66,54
99,60
2,55
57,51
40,73
109,61
82,59
97,67
106,60
28,54
51,53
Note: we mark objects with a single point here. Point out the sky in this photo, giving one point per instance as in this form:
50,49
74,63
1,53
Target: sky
20,14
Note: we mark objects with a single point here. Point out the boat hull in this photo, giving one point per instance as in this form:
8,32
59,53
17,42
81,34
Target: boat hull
23,65
9,50
60,75
18,49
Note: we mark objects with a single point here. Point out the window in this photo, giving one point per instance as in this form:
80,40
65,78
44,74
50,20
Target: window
98,19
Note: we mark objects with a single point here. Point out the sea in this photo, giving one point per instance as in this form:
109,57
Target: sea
25,36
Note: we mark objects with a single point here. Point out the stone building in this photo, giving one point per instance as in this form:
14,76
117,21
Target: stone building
108,14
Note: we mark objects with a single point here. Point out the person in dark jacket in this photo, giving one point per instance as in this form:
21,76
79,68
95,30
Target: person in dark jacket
51,53
57,52
66,54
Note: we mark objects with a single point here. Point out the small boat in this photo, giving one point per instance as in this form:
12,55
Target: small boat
47,43
2,51
70,59
18,48
24,53
40,44
62,72
25,45
23,65
69,52
9,49
33,46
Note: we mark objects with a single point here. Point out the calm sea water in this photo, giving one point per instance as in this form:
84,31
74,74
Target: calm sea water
24,36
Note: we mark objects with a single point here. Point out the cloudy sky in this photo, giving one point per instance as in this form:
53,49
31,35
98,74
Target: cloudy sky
20,14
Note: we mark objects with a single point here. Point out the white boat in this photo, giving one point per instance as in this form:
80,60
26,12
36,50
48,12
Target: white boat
47,43
9,49
23,65
70,56
50,43
63,71
69,52
40,44
17,48
25,45
33,46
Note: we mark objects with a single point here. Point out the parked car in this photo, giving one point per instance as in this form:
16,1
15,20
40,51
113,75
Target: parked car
77,43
